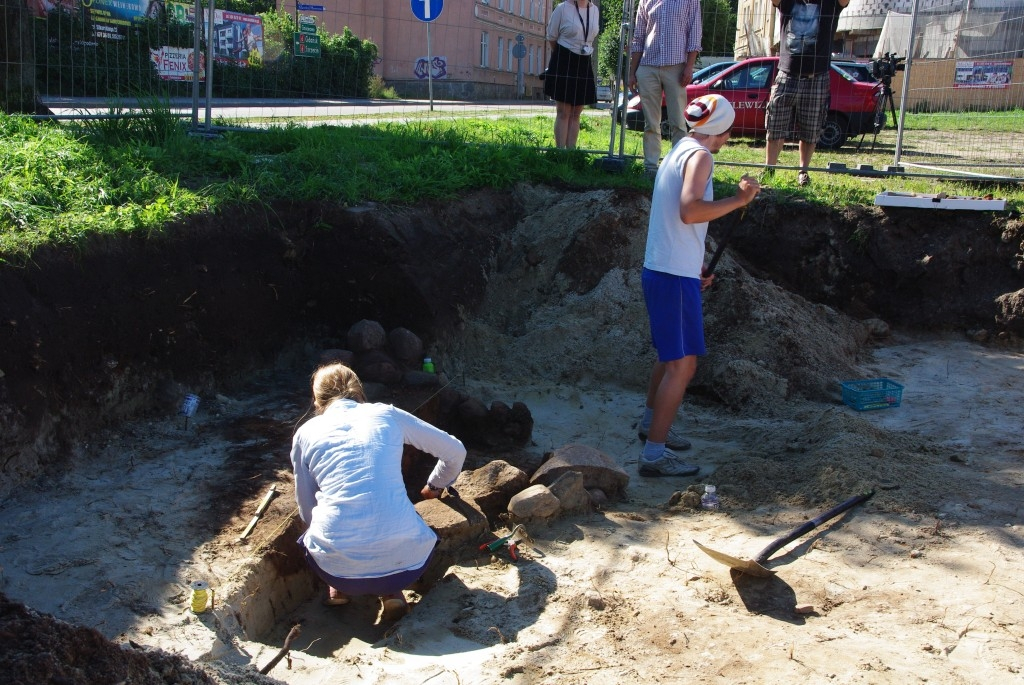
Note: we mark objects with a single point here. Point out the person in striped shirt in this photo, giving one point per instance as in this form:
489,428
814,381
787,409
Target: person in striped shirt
666,41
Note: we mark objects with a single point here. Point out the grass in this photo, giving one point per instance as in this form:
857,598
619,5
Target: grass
62,183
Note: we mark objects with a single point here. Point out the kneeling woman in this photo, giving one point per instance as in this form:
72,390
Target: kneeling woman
365,536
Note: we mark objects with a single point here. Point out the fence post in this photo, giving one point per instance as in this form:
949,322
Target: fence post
906,84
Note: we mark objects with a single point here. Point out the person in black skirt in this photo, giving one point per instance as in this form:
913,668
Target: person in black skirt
569,79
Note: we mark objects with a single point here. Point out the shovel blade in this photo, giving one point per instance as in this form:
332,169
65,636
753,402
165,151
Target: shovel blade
745,565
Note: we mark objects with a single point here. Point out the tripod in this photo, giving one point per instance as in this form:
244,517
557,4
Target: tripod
880,111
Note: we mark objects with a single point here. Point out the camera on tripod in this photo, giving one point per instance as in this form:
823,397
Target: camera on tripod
886,67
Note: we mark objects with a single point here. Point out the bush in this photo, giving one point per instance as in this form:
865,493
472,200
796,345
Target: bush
70,62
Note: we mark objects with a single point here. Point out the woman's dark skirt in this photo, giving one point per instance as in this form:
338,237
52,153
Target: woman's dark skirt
570,78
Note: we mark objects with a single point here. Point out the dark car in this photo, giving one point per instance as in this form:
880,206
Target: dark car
858,71
748,84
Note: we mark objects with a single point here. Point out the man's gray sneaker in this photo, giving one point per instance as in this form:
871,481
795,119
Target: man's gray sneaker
668,465
674,441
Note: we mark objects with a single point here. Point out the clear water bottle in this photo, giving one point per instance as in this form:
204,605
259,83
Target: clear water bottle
428,365
709,500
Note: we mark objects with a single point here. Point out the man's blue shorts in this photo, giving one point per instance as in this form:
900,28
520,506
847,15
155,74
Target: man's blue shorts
674,309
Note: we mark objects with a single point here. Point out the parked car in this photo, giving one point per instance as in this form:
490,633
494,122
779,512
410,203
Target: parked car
747,85
702,75
858,71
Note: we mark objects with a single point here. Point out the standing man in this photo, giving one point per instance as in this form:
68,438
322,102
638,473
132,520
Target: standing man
666,41
801,90
674,275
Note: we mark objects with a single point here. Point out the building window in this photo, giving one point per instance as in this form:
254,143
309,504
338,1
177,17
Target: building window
511,65
484,48
533,54
501,4
522,8
501,54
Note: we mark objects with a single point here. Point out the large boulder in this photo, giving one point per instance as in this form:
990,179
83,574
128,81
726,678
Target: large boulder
598,469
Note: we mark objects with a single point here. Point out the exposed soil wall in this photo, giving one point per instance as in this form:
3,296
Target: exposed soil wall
529,281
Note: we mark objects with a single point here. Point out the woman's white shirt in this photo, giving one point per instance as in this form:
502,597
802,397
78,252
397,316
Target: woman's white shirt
349,488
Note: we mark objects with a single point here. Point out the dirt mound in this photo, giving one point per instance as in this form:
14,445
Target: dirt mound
38,648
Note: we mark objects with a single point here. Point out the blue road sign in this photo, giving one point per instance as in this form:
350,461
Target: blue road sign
309,8
427,10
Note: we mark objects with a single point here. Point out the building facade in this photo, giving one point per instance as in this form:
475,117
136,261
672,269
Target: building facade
479,49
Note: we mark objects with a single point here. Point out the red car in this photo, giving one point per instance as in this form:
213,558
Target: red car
748,84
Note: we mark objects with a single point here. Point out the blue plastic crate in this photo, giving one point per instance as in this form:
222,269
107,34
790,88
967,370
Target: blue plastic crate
876,393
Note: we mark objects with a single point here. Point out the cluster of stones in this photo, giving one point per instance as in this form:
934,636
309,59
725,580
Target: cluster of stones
571,479
384,360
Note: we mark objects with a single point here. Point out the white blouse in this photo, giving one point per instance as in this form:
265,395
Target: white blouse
573,27
349,488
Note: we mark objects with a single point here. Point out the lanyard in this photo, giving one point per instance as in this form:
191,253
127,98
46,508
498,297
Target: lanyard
586,28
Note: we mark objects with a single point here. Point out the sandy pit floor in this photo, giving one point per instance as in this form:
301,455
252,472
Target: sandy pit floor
920,584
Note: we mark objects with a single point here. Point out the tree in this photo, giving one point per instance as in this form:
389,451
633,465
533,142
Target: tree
718,19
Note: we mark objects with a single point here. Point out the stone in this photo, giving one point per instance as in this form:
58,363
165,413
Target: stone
598,469
458,523
492,486
377,366
406,346
336,356
535,502
598,499
366,335
877,328
420,379
572,495
459,526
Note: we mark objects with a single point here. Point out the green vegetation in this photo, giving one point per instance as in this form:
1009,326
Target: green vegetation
60,184
70,62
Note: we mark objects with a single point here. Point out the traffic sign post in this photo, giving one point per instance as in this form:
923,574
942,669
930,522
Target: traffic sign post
306,45
519,52
427,11
305,41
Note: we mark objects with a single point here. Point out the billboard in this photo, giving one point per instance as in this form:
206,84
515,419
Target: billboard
237,38
987,74
177,64
111,19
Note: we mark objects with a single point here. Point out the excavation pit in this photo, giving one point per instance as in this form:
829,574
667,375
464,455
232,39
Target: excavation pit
113,504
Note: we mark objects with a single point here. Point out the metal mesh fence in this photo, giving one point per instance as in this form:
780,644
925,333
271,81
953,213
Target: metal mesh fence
958,105
965,70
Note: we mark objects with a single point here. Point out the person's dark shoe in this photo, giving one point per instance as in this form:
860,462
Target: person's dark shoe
668,465
674,441
803,179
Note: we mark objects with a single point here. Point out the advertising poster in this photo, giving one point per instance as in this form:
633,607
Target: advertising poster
991,74
111,19
40,8
237,38
177,64
438,68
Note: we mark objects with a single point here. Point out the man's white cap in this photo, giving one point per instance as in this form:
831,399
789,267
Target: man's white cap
710,115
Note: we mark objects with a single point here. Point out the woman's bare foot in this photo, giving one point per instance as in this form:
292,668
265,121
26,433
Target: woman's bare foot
335,598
